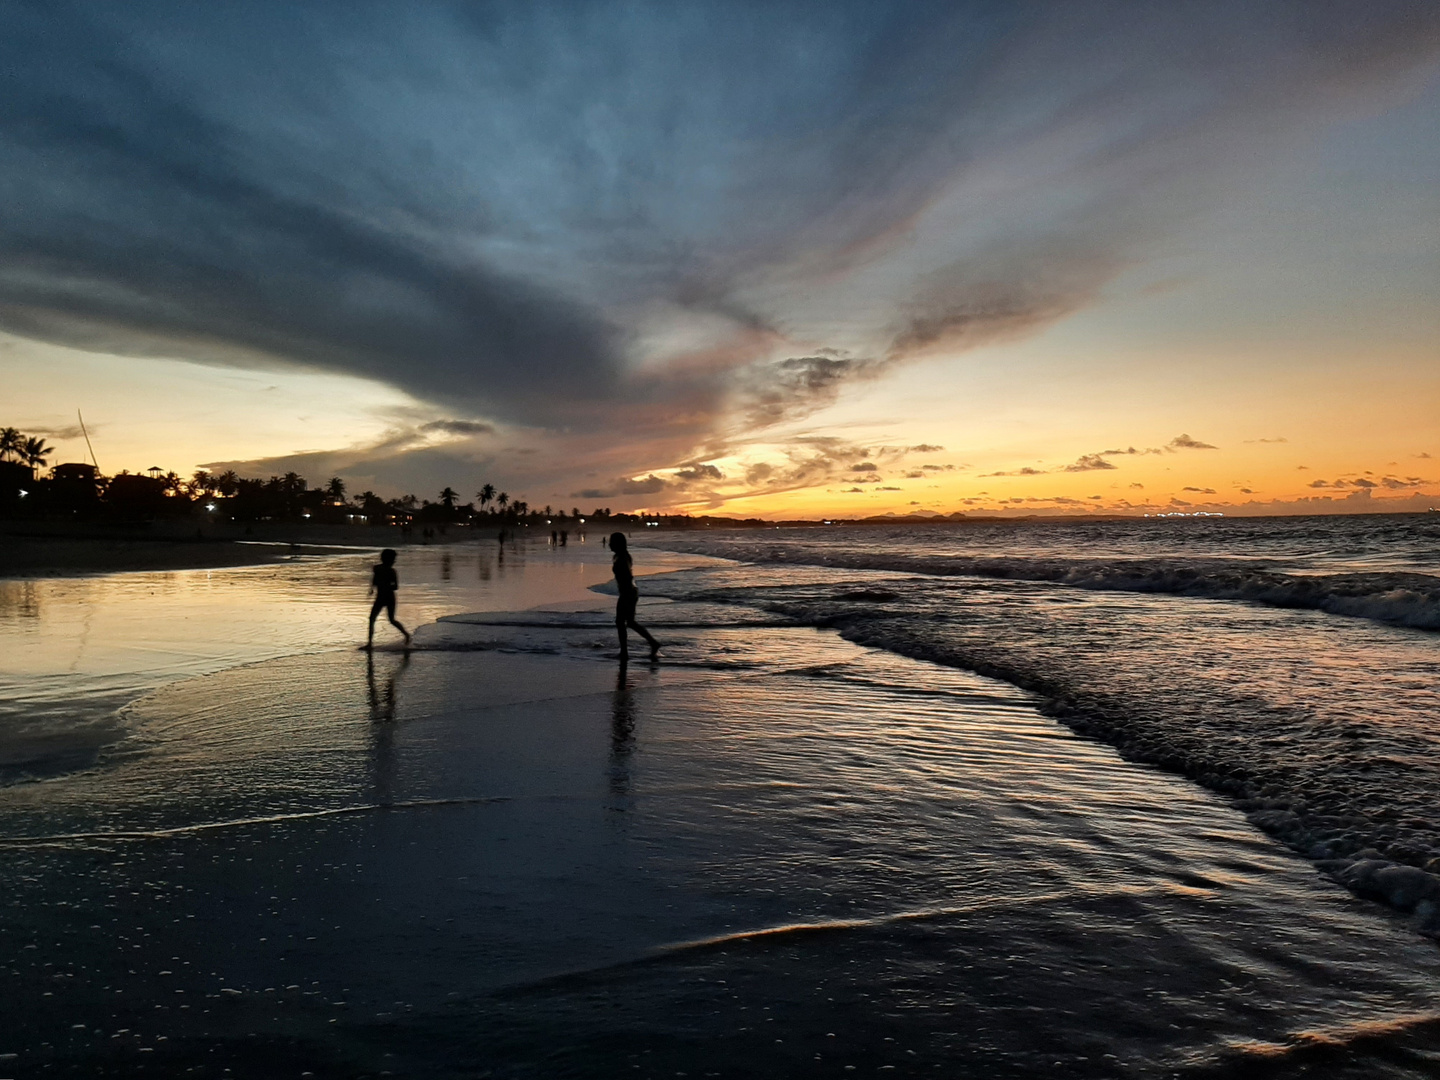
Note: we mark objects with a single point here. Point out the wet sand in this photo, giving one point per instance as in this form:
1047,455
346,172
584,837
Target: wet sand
776,853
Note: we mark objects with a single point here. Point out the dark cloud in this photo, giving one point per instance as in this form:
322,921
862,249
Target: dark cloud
1089,463
1185,442
999,294
938,468
73,431
697,471
889,489
1397,483
1026,471
864,466
925,448
648,485
792,388
1202,491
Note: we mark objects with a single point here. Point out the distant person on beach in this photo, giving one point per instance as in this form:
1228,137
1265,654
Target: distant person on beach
383,583
624,568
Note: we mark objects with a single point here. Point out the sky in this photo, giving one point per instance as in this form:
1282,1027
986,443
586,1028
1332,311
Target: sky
774,259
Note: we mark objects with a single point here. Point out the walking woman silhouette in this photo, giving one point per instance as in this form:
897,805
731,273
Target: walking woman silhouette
629,596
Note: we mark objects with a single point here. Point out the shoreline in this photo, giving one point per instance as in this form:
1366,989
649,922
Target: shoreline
41,554
26,558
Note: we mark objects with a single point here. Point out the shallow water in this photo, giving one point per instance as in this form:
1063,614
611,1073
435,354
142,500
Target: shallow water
73,650
1324,726
777,853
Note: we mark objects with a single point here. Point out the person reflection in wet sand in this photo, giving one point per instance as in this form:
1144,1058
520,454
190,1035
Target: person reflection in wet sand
382,717
383,583
624,568
382,702
622,735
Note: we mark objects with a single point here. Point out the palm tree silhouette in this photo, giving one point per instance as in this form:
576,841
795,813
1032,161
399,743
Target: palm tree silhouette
336,489
448,497
502,500
11,442
485,494
34,451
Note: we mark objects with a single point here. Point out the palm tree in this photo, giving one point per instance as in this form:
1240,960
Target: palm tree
336,489
228,482
35,451
11,442
485,494
202,483
448,497
172,483
502,500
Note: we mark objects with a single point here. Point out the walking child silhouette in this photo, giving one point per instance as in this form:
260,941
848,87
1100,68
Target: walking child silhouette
383,583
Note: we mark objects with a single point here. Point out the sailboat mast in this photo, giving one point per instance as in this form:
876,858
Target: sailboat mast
87,440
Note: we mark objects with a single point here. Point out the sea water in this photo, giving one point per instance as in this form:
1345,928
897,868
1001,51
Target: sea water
800,845
1292,664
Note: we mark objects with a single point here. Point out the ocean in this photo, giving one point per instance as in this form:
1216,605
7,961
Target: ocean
1100,799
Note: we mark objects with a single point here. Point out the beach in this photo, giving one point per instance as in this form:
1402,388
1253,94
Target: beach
786,849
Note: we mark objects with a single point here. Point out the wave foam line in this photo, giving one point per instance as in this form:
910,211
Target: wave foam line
900,917
1317,1047
662,953
1398,598
235,823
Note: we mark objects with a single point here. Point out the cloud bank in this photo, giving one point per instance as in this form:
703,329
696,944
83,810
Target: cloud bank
627,228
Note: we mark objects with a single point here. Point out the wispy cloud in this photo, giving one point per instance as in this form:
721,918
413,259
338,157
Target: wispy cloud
1185,442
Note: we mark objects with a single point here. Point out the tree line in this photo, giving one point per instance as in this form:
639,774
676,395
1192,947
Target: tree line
80,490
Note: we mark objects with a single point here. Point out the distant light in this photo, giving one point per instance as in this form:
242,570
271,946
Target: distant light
210,507
582,521
23,493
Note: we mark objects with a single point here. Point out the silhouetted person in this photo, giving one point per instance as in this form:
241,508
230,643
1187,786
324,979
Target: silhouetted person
629,596
564,537
383,583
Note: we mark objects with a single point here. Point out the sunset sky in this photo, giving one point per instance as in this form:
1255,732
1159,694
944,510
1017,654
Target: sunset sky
781,259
